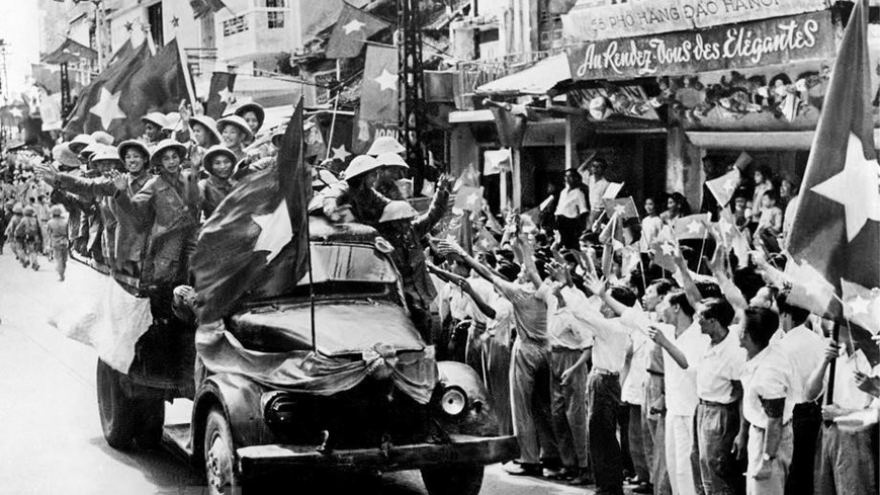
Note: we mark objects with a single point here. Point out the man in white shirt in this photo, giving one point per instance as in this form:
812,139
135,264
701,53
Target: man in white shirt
846,461
768,403
683,342
610,347
720,390
571,211
597,184
570,348
806,351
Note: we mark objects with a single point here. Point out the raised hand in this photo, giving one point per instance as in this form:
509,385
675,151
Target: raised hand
48,172
120,181
595,284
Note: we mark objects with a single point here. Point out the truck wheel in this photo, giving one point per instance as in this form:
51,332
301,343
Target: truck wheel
221,470
456,480
119,412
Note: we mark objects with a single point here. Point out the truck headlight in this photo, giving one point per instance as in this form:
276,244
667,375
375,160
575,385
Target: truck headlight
454,401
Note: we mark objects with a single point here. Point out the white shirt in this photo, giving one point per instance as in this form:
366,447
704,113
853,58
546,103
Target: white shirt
632,390
568,330
597,191
767,376
651,227
572,203
846,394
718,368
806,351
610,339
460,305
501,326
681,384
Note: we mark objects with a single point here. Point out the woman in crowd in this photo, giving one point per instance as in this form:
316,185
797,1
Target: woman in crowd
676,207
652,223
254,115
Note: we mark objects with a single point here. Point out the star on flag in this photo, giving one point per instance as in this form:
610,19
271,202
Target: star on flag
619,210
226,96
861,305
857,188
729,187
694,227
387,80
275,231
668,249
354,25
341,153
107,108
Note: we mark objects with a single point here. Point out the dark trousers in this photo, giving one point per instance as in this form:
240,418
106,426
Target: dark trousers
603,398
717,426
805,422
570,230
623,426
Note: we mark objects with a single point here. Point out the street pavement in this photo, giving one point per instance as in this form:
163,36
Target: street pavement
50,434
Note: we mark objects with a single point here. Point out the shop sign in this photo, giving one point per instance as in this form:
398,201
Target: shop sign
592,20
753,44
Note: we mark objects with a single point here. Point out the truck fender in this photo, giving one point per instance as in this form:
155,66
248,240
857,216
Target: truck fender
239,398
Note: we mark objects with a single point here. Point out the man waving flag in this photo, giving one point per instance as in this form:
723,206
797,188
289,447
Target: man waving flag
256,241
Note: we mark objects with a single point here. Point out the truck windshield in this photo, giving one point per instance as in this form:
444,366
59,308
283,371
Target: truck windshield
349,263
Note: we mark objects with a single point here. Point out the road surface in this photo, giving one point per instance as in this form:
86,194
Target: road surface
50,434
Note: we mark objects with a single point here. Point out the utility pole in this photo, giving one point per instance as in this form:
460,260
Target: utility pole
4,83
412,104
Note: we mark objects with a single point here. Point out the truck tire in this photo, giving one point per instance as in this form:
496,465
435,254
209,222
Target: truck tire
119,414
151,419
453,480
221,468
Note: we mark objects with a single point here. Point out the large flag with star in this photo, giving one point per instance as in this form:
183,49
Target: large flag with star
351,30
130,88
837,226
256,242
378,113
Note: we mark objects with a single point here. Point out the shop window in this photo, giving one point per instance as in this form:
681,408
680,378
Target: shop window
234,26
275,4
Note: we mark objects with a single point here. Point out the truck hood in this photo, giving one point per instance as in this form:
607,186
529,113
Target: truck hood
340,328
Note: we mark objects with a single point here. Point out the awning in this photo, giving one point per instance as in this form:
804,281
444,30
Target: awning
538,79
796,140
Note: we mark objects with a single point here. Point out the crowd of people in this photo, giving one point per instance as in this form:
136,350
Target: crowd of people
697,375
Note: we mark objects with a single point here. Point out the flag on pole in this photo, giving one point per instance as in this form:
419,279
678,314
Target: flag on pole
351,30
220,94
837,226
378,113
124,92
256,242
624,207
723,187
691,227
665,253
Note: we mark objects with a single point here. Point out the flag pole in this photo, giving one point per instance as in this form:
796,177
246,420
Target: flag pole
832,368
702,248
335,108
